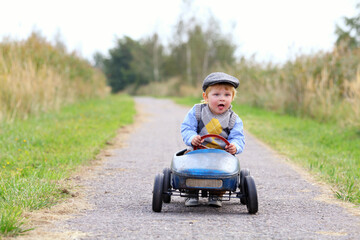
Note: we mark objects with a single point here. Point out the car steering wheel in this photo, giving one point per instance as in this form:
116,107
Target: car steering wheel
214,136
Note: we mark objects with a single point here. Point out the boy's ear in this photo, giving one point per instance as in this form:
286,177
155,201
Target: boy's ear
204,97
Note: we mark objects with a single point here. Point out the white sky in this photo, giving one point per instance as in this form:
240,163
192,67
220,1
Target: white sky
274,30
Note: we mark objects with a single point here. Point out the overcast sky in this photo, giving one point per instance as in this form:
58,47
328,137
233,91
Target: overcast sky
273,30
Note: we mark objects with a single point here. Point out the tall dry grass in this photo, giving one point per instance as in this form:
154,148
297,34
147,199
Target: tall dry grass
324,86
36,76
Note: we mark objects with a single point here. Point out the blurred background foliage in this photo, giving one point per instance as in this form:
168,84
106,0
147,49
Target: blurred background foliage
324,86
36,76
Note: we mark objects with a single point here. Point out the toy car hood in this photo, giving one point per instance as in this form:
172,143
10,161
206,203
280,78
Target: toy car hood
206,163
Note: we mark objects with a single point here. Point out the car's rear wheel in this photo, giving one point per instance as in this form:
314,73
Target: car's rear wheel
167,185
243,173
251,195
157,193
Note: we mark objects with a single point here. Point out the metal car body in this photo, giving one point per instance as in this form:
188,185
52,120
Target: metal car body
208,173
205,169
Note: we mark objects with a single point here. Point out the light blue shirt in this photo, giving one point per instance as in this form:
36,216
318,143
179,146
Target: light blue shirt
189,131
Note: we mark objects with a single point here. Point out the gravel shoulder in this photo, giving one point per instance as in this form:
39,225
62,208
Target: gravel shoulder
113,196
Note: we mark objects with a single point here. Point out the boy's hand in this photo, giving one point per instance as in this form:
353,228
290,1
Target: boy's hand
196,141
231,149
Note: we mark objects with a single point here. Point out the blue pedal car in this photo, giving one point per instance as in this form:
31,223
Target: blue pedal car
203,172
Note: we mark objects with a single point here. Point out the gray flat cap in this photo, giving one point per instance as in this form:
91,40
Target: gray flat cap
219,77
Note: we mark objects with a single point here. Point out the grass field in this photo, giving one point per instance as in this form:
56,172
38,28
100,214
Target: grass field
326,150
37,153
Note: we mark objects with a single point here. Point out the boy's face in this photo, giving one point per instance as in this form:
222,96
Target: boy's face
219,98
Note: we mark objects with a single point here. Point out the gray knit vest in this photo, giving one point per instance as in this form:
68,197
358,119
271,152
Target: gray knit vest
209,123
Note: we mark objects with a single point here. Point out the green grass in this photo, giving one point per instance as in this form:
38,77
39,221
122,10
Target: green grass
327,150
37,153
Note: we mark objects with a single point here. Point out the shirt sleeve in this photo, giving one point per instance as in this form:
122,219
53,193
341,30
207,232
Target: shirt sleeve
237,136
189,127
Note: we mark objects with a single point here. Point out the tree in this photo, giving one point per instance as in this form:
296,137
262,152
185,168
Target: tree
199,48
132,62
118,67
350,36
99,61
148,59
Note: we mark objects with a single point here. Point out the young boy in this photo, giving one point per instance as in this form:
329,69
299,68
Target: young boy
214,116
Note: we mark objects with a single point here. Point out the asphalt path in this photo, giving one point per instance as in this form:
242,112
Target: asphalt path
291,204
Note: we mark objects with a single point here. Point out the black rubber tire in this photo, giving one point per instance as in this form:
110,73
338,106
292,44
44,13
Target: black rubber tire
243,173
167,185
251,195
157,193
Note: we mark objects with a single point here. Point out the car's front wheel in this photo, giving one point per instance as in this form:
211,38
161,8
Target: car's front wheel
251,195
157,193
243,173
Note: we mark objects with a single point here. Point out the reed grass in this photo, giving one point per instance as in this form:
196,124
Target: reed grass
36,77
323,86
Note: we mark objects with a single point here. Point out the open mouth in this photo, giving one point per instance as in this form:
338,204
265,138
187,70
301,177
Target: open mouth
221,107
